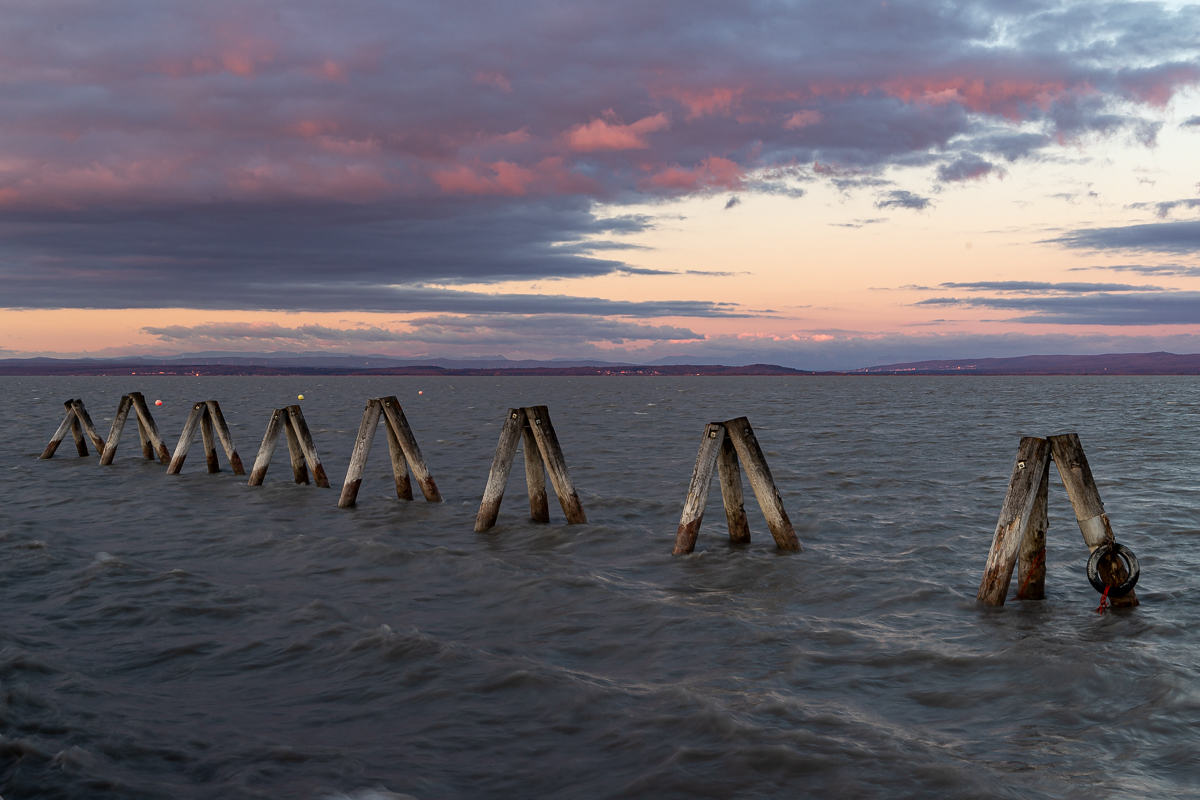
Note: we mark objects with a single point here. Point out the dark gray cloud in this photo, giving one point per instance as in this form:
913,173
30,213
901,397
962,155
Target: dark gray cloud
733,201
1181,237
901,198
1190,122
210,153
1163,210
1178,270
967,167
1135,308
546,330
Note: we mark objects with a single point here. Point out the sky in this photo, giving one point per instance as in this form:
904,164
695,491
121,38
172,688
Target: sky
823,185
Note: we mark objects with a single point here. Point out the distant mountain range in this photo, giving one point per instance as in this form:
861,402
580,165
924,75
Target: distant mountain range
336,364
1107,364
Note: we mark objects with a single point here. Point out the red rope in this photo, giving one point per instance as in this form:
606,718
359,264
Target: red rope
1103,600
1029,575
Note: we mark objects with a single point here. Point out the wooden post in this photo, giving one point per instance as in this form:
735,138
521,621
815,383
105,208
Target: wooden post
408,443
762,483
1093,522
1033,459
150,428
266,449
218,422
399,465
535,476
305,440
64,427
209,441
77,433
1031,563
506,450
114,433
731,493
362,448
185,438
697,496
147,448
299,469
88,427
556,465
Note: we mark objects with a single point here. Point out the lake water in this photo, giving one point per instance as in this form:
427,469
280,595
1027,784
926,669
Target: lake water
191,636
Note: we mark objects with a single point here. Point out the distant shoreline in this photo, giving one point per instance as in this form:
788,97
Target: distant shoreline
1123,364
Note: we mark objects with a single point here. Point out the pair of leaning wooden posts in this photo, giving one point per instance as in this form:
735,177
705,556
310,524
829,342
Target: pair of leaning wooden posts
1020,537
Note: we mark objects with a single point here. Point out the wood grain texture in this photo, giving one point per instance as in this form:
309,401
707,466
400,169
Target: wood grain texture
535,476
763,484
63,429
362,449
88,427
1033,457
266,450
412,451
143,438
307,447
185,439
77,433
730,476
1093,522
556,463
208,440
114,433
399,464
1031,562
295,454
222,431
506,451
697,496
147,420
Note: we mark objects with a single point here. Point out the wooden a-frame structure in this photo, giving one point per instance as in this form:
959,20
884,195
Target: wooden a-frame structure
543,454
77,423
301,449
207,416
725,444
1020,537
151,439
402,445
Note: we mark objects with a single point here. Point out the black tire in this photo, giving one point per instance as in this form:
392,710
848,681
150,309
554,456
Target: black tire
1093,570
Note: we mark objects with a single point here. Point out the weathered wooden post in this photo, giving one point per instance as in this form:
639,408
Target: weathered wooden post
1077,477
722,446
1024,489
302,451
204,415
402,447
77,422
1020,536
152,441
543,453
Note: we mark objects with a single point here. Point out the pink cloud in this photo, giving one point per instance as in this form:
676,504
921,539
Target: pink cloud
802,119
494,79
599,134
548,176
712,173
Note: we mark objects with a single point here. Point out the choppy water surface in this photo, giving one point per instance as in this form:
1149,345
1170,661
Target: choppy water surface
190,636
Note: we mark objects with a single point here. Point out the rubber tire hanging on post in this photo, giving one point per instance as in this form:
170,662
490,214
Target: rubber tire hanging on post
1093,569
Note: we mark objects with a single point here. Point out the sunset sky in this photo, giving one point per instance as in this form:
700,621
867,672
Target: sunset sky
820,185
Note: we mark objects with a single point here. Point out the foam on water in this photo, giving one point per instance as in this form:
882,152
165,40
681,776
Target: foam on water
190,636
